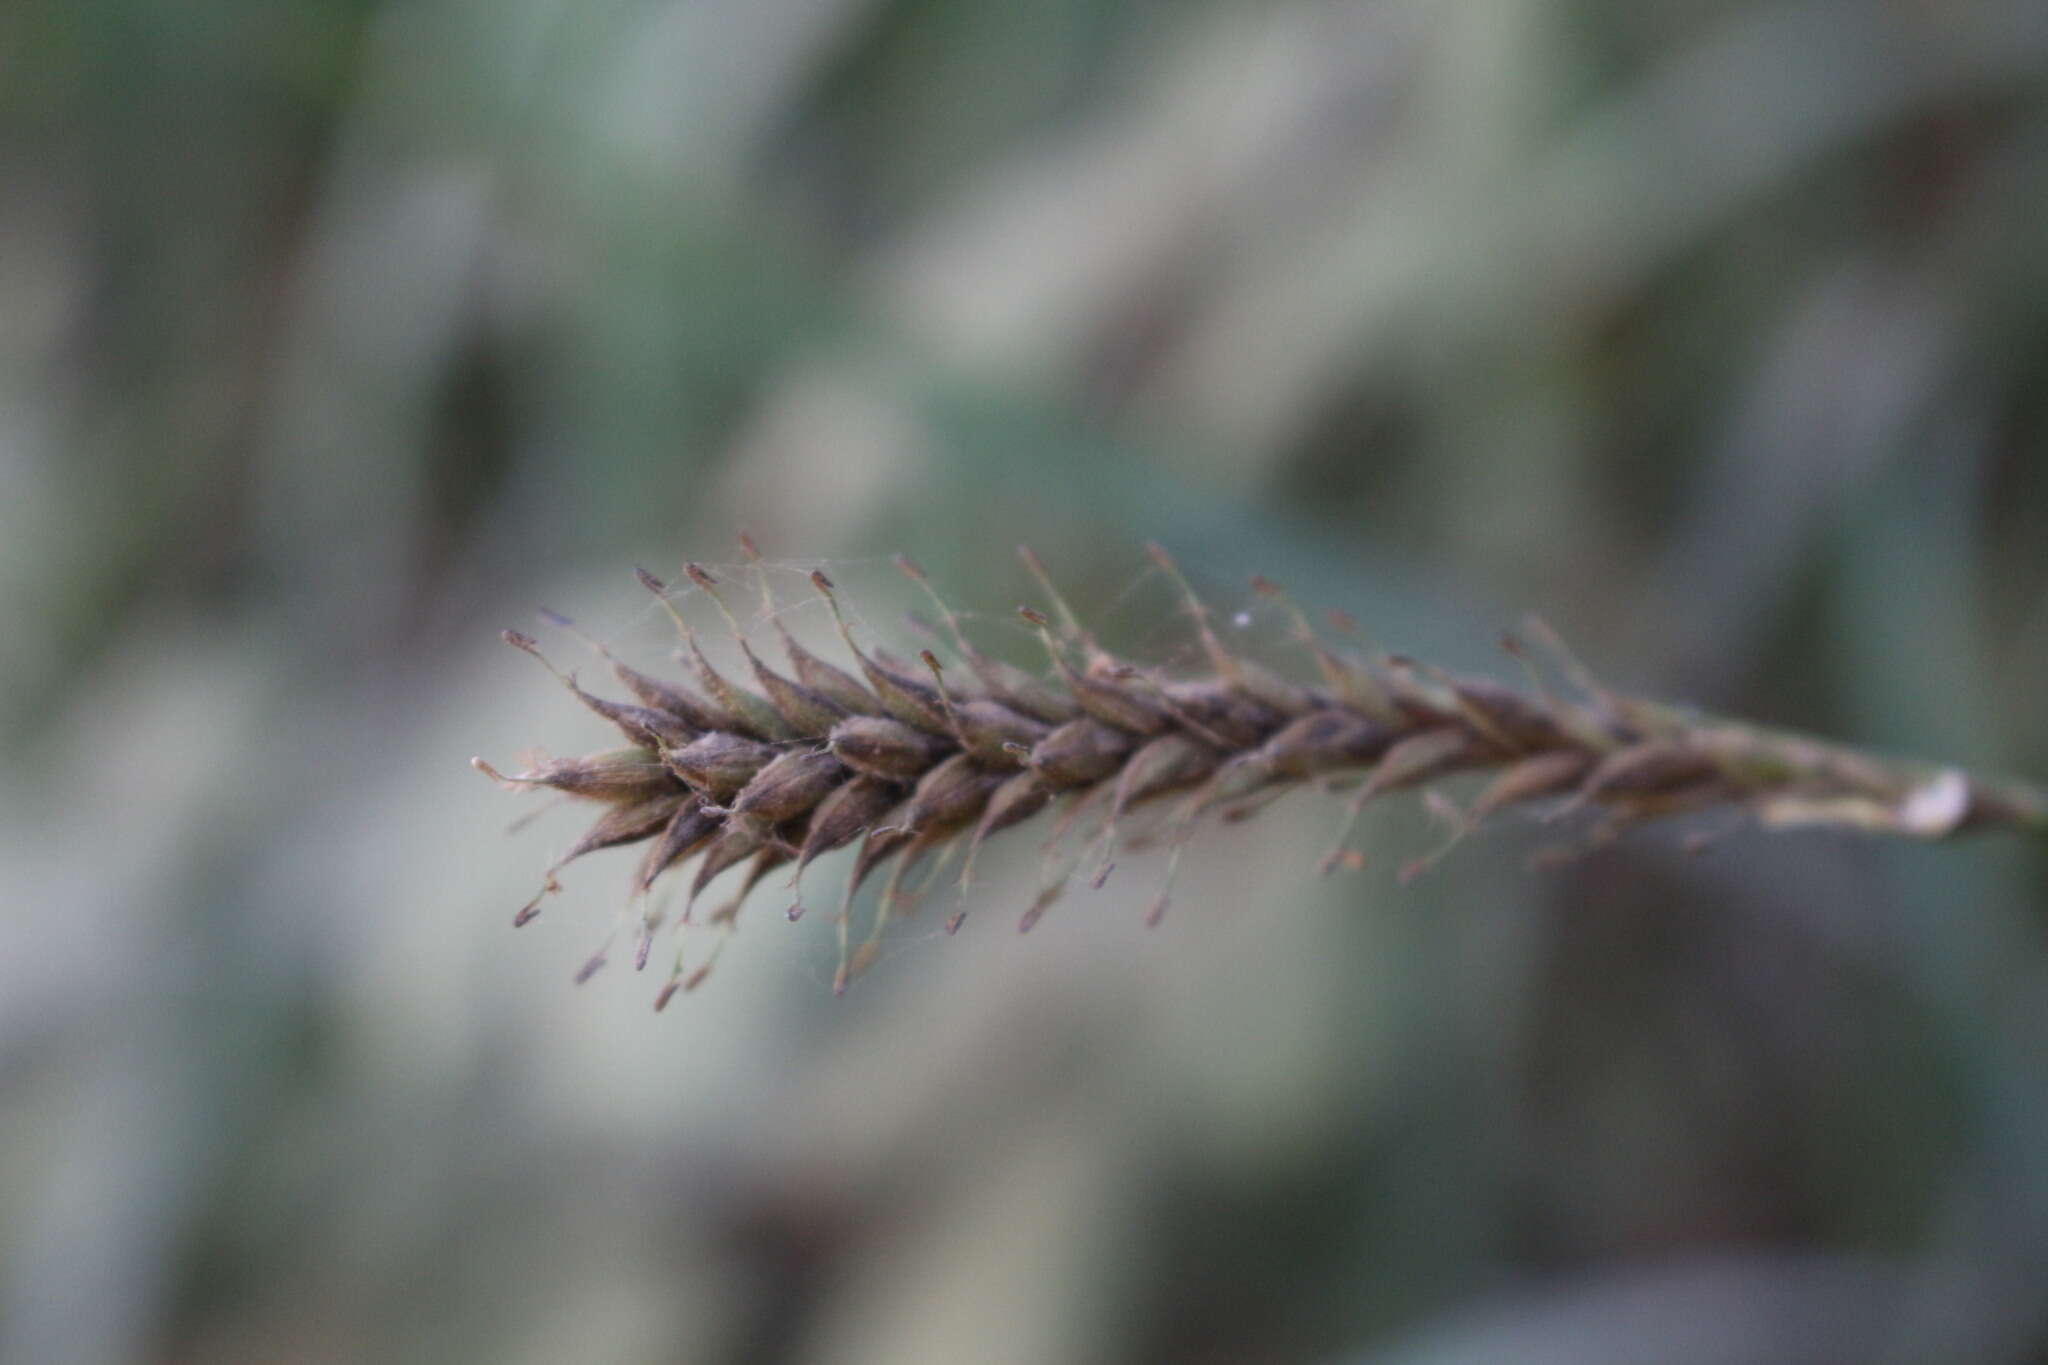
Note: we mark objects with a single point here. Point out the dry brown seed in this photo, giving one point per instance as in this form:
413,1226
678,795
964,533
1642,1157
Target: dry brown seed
733,844
1113,700
672,698
719,764
1241,776
950,796
992,732
829,680
1539,776
1163,765
627,824
1324,741
905,696
789,786
808,713
1223,713
641,725
1020,797
847,813
1421,757
1525,723
1080,752
690,828
886,748
616,775
875,849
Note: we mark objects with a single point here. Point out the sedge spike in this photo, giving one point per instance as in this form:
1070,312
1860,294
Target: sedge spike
908,767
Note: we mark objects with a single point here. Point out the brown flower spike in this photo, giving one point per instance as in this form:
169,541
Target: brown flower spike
917,764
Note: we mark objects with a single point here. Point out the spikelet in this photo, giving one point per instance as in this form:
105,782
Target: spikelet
914,763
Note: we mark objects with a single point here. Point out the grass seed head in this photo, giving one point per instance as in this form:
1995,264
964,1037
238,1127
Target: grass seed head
908,760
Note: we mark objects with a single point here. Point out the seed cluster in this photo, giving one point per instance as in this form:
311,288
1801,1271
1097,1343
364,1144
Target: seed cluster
909,763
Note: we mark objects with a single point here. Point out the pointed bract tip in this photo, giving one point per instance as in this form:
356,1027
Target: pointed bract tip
1095,883
642,948
1156,913
910,568
526,914
554,618
748,547
696,978
668,993
650,582
839,980
795,911
820,582
1029,918
519,639
930,660
696,574
1350,859
1035,616
589,969
958,918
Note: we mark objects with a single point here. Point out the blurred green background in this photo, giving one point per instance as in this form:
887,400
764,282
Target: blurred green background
336,335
